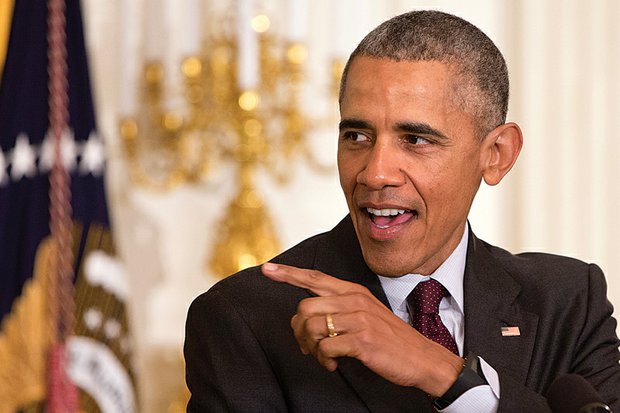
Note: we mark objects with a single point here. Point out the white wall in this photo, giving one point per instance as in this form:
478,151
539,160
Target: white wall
562,197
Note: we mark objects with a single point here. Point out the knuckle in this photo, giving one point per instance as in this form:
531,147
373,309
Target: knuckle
314,275
363,318
360,300
294,321
355,288
323,347
316,327
304,307
364,338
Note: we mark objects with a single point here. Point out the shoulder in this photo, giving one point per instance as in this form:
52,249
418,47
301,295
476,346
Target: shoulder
544,274
535,264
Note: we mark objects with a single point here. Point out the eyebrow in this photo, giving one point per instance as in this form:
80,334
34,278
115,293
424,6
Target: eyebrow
353,123
419,128
414,128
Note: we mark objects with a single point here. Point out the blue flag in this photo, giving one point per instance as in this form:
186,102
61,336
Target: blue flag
100,362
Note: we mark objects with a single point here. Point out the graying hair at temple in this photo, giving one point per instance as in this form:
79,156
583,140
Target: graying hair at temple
482,88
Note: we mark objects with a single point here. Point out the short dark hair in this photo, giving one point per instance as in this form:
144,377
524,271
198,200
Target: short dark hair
428,35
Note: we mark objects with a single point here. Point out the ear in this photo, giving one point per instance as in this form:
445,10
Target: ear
500,149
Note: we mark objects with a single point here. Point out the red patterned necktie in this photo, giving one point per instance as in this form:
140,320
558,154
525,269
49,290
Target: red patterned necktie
423,305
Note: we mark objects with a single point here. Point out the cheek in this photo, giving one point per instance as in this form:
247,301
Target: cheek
347,177
447,188
348,169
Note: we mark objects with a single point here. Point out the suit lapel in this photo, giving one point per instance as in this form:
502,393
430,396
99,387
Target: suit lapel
340,255
490,304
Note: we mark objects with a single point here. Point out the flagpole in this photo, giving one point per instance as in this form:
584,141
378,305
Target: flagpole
62,393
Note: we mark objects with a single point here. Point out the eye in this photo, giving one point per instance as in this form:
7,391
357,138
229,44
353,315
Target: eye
354,136
416,140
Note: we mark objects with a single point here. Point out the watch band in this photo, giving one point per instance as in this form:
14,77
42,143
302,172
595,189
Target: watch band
470,377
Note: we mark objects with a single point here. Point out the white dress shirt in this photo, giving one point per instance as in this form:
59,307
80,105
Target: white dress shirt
450,274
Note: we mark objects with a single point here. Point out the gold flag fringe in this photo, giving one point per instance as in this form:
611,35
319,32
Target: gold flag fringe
25,338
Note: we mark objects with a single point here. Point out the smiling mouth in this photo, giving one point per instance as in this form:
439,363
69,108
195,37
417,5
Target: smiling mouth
388,217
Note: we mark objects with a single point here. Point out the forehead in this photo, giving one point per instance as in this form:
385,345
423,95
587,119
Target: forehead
393,91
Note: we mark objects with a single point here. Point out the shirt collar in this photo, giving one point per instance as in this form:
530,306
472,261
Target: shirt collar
450,274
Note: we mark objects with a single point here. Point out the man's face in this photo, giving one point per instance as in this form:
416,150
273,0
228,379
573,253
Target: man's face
409,163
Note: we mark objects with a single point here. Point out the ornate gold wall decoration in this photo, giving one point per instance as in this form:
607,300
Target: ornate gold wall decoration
252,118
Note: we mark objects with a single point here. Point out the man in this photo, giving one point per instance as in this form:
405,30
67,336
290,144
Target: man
423,105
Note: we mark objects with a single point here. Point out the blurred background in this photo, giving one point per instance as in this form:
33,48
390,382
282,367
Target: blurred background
220,126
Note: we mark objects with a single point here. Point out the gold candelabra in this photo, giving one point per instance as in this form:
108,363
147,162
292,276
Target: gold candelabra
221,123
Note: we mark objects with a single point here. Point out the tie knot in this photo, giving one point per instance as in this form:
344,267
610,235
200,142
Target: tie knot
425,297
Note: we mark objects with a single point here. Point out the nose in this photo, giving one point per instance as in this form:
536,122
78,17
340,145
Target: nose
383,167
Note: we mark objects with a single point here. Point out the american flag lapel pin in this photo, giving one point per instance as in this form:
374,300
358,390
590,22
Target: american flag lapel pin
511,331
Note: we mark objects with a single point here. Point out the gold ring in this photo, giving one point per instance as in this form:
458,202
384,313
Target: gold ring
331,330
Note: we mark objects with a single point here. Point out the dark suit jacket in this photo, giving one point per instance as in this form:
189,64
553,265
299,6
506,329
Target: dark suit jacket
241,355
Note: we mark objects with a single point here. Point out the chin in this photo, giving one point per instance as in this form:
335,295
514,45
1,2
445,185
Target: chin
380,266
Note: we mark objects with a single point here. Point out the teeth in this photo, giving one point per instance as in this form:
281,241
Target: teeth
385,212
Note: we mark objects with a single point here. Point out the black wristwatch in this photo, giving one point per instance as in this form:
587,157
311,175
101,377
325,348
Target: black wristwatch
470,377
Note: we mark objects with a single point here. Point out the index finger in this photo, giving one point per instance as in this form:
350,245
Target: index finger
319,283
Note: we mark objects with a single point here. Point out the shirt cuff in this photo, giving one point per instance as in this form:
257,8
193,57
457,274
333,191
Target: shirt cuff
490,375
479,399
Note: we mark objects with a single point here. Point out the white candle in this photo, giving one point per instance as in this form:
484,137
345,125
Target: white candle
155,42
247,44
128,61
190,27
297,19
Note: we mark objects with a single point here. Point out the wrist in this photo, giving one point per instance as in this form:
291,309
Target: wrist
469,377
440,373
445,374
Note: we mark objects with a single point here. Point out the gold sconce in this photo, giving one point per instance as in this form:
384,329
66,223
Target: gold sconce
241,105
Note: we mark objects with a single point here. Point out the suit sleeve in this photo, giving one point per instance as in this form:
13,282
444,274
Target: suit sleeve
226,369
595,357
